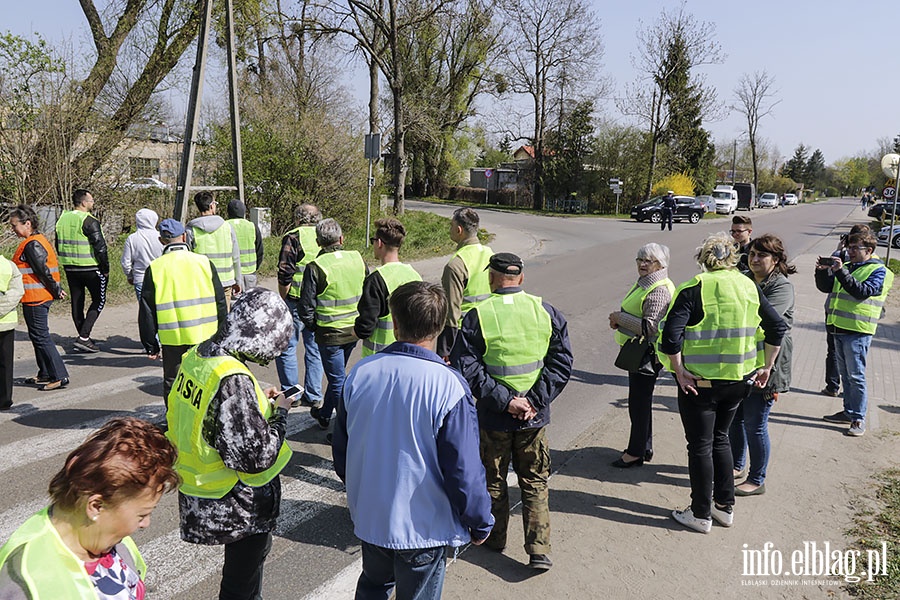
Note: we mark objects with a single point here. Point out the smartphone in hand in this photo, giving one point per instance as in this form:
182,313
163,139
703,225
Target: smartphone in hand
826,261
293,391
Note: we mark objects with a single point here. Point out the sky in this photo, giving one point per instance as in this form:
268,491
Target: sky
838,90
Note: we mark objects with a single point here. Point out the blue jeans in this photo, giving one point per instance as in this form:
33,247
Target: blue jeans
851,350
418,574
49,362
286,364
750,431
334,360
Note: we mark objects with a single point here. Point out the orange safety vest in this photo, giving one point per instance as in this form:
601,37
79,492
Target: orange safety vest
35,292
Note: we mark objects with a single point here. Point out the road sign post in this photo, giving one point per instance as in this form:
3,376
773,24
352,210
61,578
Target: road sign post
616,186
488,173
373,153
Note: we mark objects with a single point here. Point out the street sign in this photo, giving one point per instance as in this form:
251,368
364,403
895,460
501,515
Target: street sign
888,192
373,146
615,189
488,173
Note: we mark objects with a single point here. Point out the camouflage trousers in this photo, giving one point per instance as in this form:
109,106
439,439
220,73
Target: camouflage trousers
530,455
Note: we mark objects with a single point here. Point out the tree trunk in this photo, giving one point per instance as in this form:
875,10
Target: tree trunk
373,96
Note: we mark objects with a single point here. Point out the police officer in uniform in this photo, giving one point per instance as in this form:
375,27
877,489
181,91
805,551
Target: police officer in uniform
374,325
82,253
182,301
298,249
230,436
464,279
513,350
249,240
329,294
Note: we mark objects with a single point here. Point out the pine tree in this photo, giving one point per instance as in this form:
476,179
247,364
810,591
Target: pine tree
795,168
815,168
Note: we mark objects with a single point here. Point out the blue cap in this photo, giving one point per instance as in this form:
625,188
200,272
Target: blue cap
170,228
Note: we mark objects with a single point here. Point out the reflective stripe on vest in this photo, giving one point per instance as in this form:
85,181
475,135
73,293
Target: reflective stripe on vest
307,236
852,314
516,330
722,345
633,304
35,292
74,247
203,474
186,312
394,275
6,273
246,237
36,557
217,247
344,274
475,257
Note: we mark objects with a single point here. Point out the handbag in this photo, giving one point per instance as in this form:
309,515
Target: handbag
638,356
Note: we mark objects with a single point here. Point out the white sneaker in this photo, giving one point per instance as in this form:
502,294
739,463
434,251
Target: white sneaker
686,517
722,516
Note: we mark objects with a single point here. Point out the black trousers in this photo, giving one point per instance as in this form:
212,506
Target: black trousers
95,283
242,574
6,367
640,402
666,218
706,418
171,356
832,374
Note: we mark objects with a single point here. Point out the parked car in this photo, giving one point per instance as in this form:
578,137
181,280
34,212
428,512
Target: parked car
790,199
746,196
885,209
768,200
146,183
726,199
883,236
709,203
687,208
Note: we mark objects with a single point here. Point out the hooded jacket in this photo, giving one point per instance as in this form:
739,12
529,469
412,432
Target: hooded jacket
141,247
209,224
257,329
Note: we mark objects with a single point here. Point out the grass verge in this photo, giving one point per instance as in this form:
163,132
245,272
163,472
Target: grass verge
882,524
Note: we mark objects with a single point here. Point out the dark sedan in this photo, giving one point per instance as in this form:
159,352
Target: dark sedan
687,208
885,208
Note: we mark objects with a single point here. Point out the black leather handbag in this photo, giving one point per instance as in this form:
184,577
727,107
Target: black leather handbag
638,356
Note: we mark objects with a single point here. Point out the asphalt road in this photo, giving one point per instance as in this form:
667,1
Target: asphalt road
581,265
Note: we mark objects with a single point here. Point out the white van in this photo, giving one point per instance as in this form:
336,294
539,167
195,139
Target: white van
726,199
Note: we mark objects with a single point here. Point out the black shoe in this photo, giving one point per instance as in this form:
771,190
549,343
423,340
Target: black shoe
838,417
37,380
323,421
621,464
540,562
54,385
827,391
648,455
86,346
6,406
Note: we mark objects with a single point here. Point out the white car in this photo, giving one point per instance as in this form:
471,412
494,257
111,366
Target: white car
885,231
146,183
768,200
790,199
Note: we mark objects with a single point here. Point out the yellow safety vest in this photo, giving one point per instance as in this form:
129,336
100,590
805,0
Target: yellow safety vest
344,272
203,474
516,330
307,236
394,274
6,273
633,304
852,314
246,237
478,287
49,570
186,312
217,247
74,248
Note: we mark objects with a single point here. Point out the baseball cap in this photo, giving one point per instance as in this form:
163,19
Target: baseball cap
170,228
506,263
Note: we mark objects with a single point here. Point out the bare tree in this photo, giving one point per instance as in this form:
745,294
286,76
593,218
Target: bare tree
753,96
548,44
667,51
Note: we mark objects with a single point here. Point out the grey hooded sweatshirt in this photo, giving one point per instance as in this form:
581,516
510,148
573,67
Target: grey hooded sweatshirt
141,247
209,224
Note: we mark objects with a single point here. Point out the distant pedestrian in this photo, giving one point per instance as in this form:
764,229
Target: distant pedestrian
209,235
741,232
465,279
332,285
668,210
374,325
39,267
141,248
11,292
182,302
249,240
83,254
513,349
298,249
406,446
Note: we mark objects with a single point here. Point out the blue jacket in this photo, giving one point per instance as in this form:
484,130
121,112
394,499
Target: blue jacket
406,446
